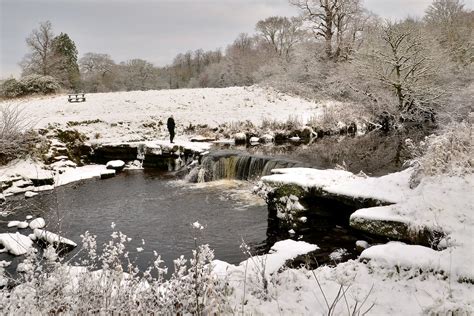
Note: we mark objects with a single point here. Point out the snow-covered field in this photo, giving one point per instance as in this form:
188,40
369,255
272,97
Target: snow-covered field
128,116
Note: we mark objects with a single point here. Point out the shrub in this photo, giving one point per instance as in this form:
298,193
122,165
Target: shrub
11,88
40,84
17,140
31,84
106,284
448,153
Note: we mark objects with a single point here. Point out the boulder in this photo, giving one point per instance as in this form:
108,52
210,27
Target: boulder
37,223
52,238
240,138
307,133
17,244
267,138
254,140
22,225
29,194
116,165
361,245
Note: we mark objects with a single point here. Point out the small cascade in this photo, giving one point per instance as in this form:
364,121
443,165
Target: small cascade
236,165
141,150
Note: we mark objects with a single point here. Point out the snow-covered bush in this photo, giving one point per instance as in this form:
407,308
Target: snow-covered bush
109,283
31,84
16,138
11,88
448,153
39,84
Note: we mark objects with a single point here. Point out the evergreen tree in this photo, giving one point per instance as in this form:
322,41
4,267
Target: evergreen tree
65,57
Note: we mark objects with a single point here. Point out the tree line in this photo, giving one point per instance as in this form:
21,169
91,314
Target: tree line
403,70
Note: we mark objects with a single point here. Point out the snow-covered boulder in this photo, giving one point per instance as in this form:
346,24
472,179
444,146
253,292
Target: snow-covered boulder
22,225
307,133
53,238
254,140
240,138
361,245
37,223
29,194
17,244
13,223
267,138
115,165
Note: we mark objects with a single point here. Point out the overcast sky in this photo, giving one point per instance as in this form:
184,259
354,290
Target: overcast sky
152,30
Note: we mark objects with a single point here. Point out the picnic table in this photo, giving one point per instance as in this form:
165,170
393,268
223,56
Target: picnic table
76,97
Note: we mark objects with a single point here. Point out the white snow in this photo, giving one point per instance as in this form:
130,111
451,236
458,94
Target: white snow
17,244
115,164
13,223
52,237
37,223
268,264
29,194
122,114
22,225
390,188
362,244
29,217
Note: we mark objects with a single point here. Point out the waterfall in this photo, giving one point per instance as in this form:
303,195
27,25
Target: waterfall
141,150
236,165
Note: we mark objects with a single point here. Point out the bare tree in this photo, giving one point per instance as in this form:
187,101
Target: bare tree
329,20
98,72
40,42
280,34
453,25
400,61
139,75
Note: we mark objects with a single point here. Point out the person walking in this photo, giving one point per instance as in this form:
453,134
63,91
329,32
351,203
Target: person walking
170,124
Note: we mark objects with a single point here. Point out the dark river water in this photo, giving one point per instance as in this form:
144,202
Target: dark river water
151,207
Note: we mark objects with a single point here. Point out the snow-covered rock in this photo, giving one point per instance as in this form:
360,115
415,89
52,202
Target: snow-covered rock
361,245
17,244
254,139
29,194
37,223
53,238
28,217
240,138
115,165
307,132
267,138
22,225
13,223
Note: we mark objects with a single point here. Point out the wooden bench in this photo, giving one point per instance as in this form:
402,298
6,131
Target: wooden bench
76,97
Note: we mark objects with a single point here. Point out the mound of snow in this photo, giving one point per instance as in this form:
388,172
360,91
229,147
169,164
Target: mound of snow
53,238
37,223
17,244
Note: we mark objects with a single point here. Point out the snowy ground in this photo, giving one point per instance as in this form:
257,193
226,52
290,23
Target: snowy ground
128,116
426,280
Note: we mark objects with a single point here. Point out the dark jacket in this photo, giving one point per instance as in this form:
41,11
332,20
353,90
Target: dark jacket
170,124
